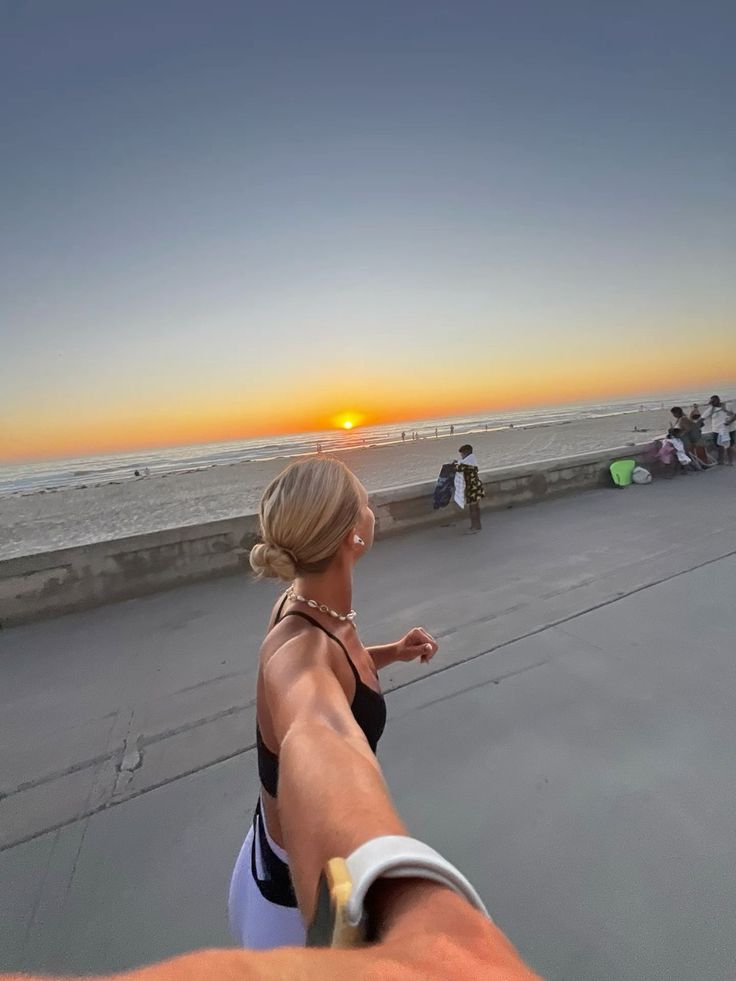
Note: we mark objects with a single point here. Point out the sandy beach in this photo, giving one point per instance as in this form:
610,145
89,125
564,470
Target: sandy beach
48,520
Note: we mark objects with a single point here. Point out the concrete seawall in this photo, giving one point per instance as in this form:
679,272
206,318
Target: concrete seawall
61,581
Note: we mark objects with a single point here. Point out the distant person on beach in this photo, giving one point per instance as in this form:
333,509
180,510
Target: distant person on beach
436,432
474,491
403,437
452,430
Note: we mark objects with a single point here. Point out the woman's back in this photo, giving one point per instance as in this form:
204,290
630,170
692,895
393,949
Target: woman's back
360,686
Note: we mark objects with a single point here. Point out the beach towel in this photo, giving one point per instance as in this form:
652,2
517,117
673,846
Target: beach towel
666,452
459,495
679,448
445,486
672,447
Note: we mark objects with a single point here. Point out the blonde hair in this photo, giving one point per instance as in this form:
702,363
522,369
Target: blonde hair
305,513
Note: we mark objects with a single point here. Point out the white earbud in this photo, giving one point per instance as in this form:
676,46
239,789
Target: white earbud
358,540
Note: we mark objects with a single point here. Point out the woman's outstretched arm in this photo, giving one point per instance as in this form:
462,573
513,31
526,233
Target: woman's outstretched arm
332,799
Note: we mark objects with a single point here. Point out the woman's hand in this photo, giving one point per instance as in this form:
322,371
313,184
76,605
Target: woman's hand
418,643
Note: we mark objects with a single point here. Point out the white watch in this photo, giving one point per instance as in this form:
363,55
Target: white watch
340,917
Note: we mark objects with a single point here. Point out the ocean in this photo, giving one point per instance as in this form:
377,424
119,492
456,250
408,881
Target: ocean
25,478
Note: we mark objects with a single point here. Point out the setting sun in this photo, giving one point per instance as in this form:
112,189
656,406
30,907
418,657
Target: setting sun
349,419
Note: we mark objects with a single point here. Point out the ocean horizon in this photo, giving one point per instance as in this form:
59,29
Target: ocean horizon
46,475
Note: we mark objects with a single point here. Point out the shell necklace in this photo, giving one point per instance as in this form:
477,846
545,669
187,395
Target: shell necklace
322,607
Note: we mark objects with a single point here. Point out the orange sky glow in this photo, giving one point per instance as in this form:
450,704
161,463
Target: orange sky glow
147,424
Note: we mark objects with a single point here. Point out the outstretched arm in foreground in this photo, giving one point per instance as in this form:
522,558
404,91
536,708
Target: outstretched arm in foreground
332,799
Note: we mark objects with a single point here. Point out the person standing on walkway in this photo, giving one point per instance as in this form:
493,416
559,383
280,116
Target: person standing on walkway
696,416
721,419
317,687
688,431
474,491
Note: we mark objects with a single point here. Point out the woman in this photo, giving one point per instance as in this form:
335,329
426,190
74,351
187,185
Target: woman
696,417
320,714
688,431
317,681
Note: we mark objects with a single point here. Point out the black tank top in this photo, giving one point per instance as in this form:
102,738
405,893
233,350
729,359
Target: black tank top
368,707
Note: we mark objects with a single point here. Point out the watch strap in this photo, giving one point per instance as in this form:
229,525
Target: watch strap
400,857
340,916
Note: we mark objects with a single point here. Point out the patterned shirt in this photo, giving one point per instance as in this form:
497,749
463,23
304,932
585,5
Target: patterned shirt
473,486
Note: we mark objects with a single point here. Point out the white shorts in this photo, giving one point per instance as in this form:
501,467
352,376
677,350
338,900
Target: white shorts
256,922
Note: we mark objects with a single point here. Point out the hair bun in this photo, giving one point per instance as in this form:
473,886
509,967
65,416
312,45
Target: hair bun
272,562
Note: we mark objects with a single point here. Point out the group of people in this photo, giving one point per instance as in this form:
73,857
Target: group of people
701,439
320,715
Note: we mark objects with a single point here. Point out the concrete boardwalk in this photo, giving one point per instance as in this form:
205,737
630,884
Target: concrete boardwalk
572,748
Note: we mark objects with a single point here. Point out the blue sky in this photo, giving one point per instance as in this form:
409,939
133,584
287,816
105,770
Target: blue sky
208,207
